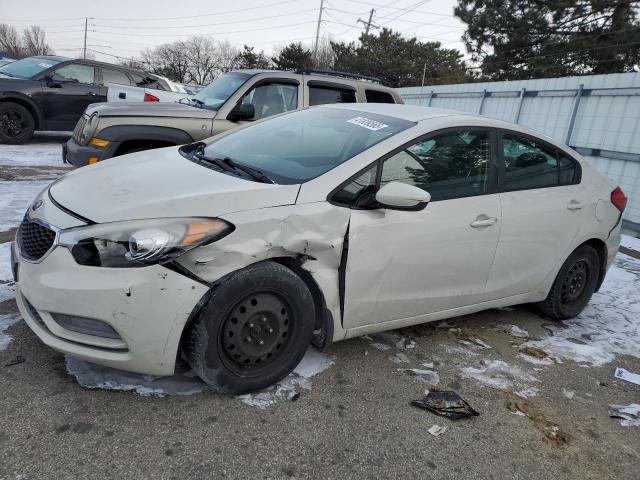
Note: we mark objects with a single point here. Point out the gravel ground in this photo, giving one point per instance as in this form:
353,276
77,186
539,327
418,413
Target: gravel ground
354,420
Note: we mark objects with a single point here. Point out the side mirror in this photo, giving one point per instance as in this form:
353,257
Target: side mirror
401,196
51,83
242,111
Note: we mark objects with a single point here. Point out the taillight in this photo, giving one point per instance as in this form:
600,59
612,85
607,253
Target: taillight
618,199
150,98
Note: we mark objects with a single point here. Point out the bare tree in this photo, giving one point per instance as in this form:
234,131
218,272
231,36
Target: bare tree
10,41
325,56
203,59
34,43
170,60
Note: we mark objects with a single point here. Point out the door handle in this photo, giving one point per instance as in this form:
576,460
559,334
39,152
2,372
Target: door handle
574,205
93,94
483,221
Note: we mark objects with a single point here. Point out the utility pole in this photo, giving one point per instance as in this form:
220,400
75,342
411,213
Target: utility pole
315,48
368,23
84,51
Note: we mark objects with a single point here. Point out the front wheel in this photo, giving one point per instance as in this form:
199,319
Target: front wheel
16,124
253,331
575,283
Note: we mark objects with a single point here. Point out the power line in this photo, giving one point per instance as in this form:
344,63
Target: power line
226,12
163,27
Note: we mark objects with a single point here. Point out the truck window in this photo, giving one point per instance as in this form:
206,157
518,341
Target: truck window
323,95
377,96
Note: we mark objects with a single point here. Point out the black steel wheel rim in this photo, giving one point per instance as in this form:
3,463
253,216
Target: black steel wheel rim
256,332
575,282
12,123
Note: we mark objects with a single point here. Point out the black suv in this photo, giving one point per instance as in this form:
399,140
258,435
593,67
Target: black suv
51,92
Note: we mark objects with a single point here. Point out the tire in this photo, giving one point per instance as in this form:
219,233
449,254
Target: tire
575,283
16,124
265,302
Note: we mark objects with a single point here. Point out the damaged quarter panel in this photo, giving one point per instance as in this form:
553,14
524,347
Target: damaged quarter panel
313,232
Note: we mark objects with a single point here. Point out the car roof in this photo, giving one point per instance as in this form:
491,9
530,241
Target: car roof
52,57
411,113
337,77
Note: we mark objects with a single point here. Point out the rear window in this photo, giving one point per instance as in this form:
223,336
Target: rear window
304,144
114,76
326,95
377,96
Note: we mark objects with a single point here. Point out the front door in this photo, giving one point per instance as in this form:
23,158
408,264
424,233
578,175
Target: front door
67,94
404,264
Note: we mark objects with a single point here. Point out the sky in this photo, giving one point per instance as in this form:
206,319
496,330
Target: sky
121,28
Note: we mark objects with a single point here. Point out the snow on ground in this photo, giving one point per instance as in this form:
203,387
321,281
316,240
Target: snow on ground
32,154
7,288
93,376
15,198
609,325
629,415
630,242
502,376
5,322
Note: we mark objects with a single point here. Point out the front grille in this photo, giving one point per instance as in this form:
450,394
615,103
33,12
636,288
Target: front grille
77,132
34,239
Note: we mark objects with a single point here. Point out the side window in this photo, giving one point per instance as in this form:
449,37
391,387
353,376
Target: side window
114,76
358,192
272,98
325,95
376,96
451,165
75,74
569,171
528,164
138,80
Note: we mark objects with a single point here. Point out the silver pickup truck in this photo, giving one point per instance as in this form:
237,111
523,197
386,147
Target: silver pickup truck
111,129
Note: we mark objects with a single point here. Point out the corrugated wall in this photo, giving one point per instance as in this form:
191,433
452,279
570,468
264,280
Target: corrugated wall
605,109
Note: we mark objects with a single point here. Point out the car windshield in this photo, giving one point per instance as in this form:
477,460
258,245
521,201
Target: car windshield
28,67
302,145
217,92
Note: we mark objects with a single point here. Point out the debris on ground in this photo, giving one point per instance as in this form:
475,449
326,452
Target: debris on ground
535,356
568,393
446,404
627,375
16,361
629,415
516,331
551,431
436,430
427,376
399,358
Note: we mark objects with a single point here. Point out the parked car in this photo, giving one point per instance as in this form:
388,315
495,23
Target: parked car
311,227
51,93
5,61
128,93
231,100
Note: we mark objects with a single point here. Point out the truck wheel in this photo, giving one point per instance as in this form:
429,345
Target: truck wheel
253,331
575,283
16,124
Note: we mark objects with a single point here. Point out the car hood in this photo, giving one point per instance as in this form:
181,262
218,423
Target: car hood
161,183
151,109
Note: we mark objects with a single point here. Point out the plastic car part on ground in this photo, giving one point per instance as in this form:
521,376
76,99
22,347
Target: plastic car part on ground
446,404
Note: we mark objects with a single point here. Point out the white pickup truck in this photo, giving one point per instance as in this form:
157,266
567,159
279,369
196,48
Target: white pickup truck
127,93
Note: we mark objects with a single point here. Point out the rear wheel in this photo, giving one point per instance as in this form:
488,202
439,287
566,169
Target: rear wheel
575,283
16,124
254,330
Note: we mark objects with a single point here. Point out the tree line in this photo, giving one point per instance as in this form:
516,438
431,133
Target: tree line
505,39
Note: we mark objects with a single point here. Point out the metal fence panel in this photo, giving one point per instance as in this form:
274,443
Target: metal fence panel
599,115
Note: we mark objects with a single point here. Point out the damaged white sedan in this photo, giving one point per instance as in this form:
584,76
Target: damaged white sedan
311,227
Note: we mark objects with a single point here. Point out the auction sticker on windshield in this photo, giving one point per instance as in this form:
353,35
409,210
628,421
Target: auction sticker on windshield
368,123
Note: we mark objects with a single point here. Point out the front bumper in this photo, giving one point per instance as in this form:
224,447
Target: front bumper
79,155
148,307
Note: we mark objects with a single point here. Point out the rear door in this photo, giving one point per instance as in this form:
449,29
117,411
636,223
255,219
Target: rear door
404,264
67,94
543,205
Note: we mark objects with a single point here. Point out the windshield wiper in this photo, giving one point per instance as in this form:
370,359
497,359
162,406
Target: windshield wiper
197,103
252,172
228,165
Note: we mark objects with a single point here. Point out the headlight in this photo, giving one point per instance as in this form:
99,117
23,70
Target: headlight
138,243
89,129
